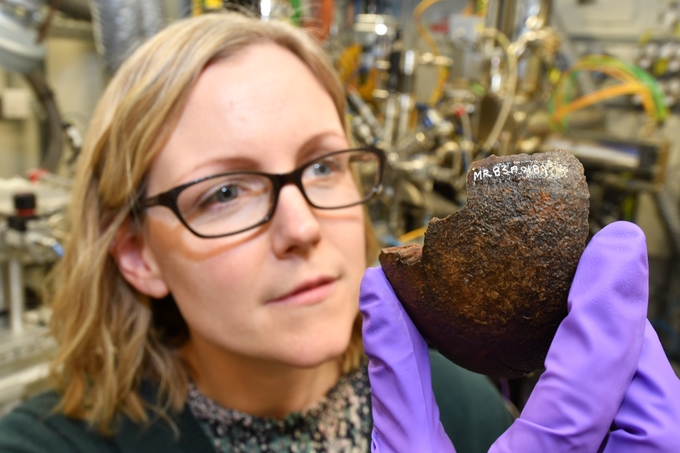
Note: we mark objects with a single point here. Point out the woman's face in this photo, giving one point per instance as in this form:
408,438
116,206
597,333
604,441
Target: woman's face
286,291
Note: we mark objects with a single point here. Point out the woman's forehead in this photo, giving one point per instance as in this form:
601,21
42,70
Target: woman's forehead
260,108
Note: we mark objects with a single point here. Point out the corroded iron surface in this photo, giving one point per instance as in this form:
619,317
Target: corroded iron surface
489,286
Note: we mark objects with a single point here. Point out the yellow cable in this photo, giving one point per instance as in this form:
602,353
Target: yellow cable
349,62
631,84
593,98
422,31
599,96
619,74
432,45
411,235
646,97
439,87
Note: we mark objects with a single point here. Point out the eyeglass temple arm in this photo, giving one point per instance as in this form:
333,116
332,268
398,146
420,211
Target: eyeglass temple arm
151,201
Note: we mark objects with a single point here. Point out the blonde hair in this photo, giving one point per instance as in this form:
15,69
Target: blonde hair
110,336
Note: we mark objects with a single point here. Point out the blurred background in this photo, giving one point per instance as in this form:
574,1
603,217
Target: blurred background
438,84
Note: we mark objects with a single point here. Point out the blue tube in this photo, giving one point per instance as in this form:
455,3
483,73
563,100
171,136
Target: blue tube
58,249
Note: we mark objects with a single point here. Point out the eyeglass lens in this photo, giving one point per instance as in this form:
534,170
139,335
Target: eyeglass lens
237,201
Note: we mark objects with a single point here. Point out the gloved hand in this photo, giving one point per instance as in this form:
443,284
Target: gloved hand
604,389
607,382
405,414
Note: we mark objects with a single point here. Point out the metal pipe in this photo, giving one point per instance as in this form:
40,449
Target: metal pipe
390,117
55,139
531,80
507,20
122,25
16,295
354,99
545,11
3,300
405,86
501,16
492,14
404,115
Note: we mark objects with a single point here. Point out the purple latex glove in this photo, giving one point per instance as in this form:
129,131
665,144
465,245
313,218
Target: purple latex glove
603,391
600,375
405,414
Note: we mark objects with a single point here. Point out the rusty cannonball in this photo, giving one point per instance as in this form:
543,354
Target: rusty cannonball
489,286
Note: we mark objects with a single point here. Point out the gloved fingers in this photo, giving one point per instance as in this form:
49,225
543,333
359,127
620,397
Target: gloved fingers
405,414
649,418
391,333
595,351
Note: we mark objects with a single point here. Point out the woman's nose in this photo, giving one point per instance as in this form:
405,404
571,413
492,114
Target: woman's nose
295,226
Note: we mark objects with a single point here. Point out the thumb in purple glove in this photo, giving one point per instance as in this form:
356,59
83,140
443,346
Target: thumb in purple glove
593,358
405,414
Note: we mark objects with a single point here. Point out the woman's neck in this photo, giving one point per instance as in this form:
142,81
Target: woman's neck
254,386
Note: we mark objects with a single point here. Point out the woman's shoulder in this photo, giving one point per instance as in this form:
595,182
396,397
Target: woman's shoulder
35,427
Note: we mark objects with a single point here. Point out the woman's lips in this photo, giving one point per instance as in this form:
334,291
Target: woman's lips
308,293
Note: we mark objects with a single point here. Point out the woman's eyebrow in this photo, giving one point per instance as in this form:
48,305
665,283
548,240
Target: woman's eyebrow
329,140
326,139
218,165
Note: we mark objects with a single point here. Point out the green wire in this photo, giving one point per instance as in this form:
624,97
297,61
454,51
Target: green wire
568,81
640,75
297,12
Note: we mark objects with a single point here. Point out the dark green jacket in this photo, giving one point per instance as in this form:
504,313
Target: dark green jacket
472,412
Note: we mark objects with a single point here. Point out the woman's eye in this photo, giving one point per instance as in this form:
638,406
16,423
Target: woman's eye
225,194
326,167
221,196
322,168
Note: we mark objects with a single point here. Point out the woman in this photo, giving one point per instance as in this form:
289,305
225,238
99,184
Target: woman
242,291
208,298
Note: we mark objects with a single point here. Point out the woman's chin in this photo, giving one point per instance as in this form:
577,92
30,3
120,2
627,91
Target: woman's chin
314,356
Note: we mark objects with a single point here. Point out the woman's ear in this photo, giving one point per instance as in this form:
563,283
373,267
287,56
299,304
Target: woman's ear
137,263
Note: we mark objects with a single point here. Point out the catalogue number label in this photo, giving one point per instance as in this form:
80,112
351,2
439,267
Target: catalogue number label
514,170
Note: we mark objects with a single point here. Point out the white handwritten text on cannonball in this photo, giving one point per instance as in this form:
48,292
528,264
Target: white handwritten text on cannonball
514,170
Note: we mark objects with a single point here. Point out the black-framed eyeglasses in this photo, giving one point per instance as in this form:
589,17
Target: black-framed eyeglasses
231,203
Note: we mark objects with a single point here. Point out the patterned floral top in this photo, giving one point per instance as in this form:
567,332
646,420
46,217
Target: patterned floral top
340,422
